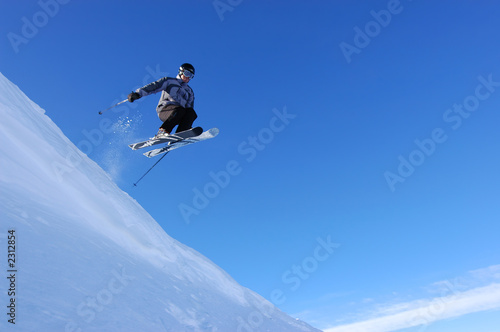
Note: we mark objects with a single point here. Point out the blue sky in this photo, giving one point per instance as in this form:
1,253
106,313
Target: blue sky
356,170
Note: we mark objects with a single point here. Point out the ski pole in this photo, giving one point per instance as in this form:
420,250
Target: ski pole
121,102
135,184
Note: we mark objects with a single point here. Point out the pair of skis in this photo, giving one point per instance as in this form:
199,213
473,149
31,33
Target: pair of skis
175,141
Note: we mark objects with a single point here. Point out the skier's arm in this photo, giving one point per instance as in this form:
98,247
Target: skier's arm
153,87
190,103
148,89
190,100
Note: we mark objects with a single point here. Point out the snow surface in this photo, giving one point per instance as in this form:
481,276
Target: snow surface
89,257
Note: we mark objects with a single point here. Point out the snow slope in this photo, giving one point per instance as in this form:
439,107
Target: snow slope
89,258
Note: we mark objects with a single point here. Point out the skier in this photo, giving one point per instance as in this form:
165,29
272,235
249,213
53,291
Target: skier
176,105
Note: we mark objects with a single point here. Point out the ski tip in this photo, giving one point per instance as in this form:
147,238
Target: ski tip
214,131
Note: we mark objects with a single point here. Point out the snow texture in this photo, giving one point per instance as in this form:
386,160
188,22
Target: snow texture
89,257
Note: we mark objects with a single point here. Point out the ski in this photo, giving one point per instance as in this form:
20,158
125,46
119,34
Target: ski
211,133
193,132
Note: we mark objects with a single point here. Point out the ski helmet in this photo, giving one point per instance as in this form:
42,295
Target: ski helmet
186,67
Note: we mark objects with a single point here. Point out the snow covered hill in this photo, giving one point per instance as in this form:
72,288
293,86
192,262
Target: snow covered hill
85,256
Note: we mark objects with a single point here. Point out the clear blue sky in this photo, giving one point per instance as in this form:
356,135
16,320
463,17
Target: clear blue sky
357,164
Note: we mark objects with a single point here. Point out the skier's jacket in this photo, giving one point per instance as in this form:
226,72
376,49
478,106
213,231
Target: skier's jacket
174,92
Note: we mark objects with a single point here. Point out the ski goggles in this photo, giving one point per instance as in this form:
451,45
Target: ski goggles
187,73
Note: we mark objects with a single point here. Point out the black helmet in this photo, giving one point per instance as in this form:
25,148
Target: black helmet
187,67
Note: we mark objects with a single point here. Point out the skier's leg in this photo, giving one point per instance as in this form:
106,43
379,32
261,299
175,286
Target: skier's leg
171,115
187,120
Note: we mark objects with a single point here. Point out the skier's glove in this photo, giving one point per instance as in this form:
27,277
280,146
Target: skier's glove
133,96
